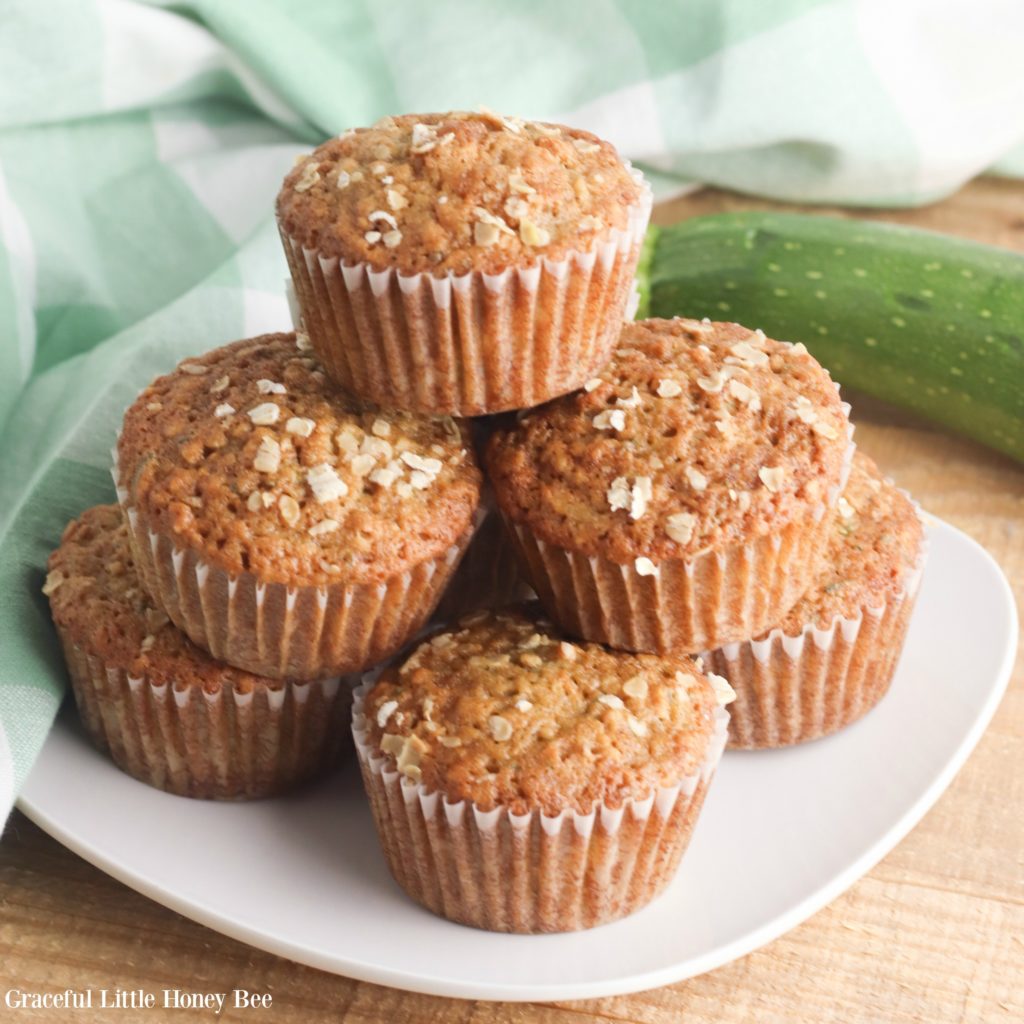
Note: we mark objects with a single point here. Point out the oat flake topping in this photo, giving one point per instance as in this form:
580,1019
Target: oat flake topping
737,446
492,711
273,488
463,191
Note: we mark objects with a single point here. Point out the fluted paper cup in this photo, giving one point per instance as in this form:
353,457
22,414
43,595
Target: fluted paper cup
680,605
282,631
793,688
220,744
469,344
278,630
530,872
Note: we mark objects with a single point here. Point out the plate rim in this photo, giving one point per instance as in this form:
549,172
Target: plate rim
405,980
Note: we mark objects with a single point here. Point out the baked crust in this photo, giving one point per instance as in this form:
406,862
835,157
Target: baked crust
696,436
874,547
251,457
456,192
502,711
99,604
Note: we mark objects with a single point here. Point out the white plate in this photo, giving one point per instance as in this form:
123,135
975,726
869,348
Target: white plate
782,833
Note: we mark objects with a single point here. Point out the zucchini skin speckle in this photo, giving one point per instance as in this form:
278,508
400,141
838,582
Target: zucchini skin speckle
931,323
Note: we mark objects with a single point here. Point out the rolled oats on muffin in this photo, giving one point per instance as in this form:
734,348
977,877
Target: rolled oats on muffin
463,263
680,500
522,782
166,712
285,526
832,657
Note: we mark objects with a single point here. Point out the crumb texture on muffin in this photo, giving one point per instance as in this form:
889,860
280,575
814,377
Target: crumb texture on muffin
874,547
457,192
695,436
502,711
250,456
98,602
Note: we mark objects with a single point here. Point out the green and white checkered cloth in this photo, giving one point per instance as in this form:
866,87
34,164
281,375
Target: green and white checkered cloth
141,147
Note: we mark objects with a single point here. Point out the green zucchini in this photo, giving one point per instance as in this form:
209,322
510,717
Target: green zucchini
928,322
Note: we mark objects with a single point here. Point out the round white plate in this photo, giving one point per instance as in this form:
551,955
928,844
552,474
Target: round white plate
782,833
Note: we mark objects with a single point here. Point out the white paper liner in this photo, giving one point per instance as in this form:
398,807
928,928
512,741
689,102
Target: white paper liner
475,343
221,744
281,631
685,605
799,687
532,872
725,595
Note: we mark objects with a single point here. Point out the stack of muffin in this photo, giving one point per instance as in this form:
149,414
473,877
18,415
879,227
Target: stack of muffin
292,508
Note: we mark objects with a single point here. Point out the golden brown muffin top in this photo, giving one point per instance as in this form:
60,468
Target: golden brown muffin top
99,604
695,436
457,192
503,711
252,457
876,544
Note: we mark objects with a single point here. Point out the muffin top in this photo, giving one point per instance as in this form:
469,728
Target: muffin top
98,602
876,544
252,457
695,436
457,192
503,711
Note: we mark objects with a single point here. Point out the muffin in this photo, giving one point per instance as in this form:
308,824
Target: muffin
463,263
488,576
833,655
164,710
681,500
523,783
286,527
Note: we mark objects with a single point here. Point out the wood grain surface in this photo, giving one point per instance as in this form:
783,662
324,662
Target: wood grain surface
934,933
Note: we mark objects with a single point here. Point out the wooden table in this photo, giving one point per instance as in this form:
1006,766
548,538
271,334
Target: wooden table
934,933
